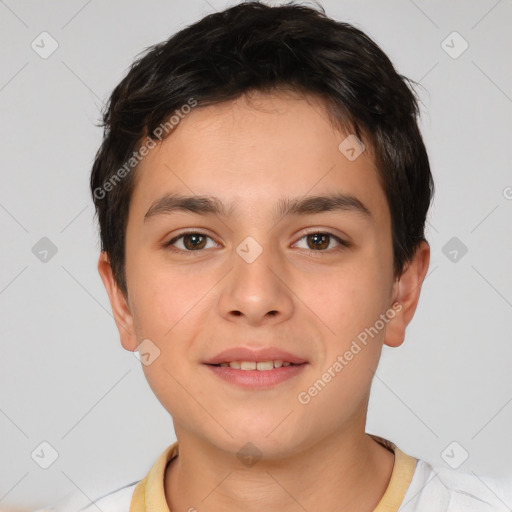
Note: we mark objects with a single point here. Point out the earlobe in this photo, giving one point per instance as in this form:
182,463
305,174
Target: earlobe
406,293
118,302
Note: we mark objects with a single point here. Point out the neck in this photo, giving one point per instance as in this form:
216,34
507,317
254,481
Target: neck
340,474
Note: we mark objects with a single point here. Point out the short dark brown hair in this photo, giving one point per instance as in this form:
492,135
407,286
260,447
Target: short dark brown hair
255,47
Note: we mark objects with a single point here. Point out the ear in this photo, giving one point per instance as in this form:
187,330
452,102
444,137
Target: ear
120,307
406,292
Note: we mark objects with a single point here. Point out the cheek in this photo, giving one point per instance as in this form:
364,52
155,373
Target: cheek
164,296
351,299
353,344
350,305
167,305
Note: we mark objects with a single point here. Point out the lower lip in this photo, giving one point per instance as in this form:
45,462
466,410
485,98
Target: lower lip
257,379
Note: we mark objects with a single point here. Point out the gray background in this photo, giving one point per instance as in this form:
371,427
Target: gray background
66,380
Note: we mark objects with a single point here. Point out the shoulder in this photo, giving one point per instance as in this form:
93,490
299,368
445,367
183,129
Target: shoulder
440,489
117,500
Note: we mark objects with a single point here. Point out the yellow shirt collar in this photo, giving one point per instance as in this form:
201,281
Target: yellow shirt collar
149,494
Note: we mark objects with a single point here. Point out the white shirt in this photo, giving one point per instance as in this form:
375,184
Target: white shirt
415,486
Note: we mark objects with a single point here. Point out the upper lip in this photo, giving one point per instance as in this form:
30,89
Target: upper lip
259,355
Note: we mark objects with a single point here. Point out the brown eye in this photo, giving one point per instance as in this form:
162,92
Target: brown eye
194,241
321,241
188,242
318,241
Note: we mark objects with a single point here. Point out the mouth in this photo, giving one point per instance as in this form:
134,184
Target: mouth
255,369
245,358
256,375
256,365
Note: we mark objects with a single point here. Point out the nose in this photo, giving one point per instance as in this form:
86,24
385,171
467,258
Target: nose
256,292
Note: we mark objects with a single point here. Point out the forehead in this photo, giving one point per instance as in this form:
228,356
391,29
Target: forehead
252,152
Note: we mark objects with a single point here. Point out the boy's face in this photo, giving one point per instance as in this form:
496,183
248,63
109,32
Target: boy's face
307,295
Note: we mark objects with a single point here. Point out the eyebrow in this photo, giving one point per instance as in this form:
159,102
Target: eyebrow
208,205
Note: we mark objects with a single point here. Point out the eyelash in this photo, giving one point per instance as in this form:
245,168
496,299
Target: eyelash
343,243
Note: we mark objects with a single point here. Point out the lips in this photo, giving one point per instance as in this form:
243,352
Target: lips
247,355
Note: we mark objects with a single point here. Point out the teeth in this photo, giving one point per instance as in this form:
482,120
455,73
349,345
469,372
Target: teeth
253,365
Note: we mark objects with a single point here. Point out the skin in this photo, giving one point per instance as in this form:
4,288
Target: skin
192,306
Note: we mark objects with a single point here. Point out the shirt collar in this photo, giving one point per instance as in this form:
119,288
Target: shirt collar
149,494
